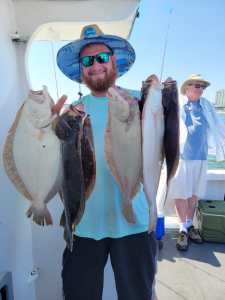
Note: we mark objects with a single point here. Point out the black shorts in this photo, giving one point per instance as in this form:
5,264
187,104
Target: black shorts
133,260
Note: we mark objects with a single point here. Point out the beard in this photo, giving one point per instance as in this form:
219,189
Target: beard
101,84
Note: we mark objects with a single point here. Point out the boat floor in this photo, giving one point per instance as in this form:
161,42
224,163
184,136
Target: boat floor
197,274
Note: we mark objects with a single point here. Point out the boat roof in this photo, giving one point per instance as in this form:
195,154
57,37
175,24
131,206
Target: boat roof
62,20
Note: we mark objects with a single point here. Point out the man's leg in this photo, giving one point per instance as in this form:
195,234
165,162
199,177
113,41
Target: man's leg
181,206
133,260
83,269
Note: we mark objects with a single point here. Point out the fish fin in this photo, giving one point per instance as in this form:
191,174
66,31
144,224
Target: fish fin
129,213
8,158
40,216
136,187
63,219
61,195
79,214
68,238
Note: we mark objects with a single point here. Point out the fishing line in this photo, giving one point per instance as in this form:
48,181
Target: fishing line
165,44
80,94
54,69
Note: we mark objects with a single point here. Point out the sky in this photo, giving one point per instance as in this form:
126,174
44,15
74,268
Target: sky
195,44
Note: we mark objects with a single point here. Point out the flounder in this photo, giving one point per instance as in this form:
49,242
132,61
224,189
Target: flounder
160,132
123,146
152,145
32,155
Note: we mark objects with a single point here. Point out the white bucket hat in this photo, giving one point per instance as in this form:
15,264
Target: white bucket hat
193,79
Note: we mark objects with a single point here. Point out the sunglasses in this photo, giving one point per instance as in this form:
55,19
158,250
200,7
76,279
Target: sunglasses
198,86
101,58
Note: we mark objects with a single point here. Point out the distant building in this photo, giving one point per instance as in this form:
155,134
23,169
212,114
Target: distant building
220,99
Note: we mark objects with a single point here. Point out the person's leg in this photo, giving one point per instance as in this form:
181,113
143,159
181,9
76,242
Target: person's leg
192,204
134,259
193,233
181,206
83,269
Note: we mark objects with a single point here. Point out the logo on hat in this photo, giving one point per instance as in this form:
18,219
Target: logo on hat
89,32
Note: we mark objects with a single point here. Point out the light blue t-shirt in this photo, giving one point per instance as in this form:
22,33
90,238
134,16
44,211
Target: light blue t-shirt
103,215
196,145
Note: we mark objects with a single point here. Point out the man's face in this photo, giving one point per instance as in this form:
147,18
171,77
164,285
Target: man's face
195,90
98,76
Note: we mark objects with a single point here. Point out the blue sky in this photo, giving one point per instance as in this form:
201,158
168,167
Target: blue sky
196,44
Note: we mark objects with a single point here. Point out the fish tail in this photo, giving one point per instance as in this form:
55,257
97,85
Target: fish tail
63,219
41,216
129,213
68,231
68,239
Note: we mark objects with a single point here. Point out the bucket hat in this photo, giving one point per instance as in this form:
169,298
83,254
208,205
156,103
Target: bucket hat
68,57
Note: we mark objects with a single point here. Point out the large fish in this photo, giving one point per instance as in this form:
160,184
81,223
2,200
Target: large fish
78,160
171,119
123,146
160,130
152,145
32,155
170,143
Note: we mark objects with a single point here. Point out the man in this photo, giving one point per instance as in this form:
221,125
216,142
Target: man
98,60
200,127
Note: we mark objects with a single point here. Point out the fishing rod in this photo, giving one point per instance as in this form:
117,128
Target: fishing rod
165,44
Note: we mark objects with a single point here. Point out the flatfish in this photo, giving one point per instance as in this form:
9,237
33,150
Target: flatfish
31,155
79,171
160,131
152,145
123,146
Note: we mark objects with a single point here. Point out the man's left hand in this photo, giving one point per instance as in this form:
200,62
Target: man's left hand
56,108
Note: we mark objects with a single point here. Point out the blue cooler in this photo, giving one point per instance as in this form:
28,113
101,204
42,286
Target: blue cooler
160,229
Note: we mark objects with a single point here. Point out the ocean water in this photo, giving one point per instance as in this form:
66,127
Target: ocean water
212,163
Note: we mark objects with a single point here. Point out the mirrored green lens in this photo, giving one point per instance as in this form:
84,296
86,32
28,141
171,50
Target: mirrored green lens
87,61
103,57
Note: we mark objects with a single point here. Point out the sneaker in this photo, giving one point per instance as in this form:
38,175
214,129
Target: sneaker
182,241
194,235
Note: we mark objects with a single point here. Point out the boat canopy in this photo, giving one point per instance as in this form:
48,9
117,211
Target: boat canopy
59,20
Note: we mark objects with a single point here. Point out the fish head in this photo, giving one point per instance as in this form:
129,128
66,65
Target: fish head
39,108
170,93
119,103
151,81
68,126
